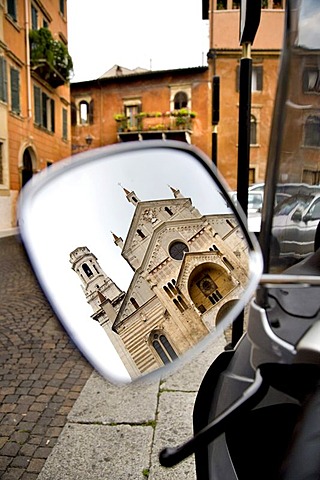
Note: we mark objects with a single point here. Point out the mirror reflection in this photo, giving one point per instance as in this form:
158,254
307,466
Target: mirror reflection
296,220
141,255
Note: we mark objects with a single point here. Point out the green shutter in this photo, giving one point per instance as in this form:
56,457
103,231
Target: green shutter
15,90
52,115
3,80
91,110
64,123
37,105
44,106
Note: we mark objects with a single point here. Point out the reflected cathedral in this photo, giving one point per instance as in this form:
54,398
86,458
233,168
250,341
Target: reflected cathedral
189,269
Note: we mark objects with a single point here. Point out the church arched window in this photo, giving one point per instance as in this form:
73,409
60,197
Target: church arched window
141,234
163,347
134,303
87,270
169,212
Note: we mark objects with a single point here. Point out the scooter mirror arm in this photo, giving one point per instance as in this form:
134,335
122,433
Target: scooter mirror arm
171,456
269,280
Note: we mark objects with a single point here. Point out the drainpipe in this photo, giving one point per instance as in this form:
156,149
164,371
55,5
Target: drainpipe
27,27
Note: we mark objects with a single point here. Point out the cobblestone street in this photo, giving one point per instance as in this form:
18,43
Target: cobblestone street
41,372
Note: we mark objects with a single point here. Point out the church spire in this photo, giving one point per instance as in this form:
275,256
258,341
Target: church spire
117,240
176,193
131,197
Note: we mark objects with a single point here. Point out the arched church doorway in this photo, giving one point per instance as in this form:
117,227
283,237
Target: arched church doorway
27,166
208,283
224,310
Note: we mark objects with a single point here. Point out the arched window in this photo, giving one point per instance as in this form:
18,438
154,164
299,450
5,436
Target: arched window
87,270
141,234
134,303
163,348
84,112
180,100
167,209
168,291
312,131
253,130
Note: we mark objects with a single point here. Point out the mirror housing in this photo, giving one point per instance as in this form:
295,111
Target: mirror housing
139,284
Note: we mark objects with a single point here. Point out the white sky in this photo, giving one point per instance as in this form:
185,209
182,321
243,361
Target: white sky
141,33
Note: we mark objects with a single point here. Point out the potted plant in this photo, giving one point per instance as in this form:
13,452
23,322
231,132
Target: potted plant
49,58
122,121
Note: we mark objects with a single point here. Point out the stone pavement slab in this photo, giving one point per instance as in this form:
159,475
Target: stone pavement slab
117,432
41,371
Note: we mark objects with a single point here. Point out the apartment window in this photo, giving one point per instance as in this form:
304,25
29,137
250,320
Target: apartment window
256,78
180,96
222,4
180,100
131,111
64,124
15,90
43,110
84,112
253,130
62,7
3,80
312,131
311,80
45,23
34,18
252,176
12,9
236,4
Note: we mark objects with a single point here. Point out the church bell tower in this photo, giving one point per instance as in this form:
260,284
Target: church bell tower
95,283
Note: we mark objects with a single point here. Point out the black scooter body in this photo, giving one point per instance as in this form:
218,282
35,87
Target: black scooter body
256,443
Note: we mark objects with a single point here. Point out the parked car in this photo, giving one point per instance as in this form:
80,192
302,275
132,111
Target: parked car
294,225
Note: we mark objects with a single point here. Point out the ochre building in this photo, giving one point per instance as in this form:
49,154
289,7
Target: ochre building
34,95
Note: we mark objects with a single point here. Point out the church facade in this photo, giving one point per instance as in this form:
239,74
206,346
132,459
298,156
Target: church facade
189,269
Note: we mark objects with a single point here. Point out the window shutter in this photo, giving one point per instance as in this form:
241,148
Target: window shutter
3,80
73,114
52,115
15,94
64,123
91,112
238,78
37,105
259,71
44,122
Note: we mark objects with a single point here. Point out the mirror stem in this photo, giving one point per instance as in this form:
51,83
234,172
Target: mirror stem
171,456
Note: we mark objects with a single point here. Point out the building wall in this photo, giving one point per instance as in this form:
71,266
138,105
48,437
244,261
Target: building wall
224,60
44,146
152,89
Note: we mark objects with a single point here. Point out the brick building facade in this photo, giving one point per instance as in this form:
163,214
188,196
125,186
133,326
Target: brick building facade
34,96
125,105
224,60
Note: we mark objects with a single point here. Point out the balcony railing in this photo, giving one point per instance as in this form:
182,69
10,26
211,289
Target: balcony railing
49,58
156,122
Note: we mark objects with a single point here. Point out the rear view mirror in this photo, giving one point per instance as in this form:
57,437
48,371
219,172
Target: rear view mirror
140,252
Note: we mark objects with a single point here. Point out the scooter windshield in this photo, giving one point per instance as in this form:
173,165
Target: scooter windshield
294,154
